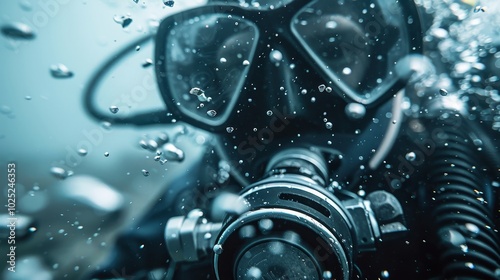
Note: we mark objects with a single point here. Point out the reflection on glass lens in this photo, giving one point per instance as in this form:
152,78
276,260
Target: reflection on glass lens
210,53
349,38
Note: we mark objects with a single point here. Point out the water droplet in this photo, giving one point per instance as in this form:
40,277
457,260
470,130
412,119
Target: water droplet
328,125
148,62
17,30
60,71
464,248
472,228
269,113
253,273
346,71
200,93
106,125
247,231
218,249
469,265
411,156
32,229
394,122
246,62
171,152
106,154
142,246
395,184
60,173
145,172
113,109
304,91
124,21
414,67
137,48
168,3
478,9
355,110
222,60
27,97
229,129
276,56
211,113
384,274
266,225
443,92
321,88
207,235
26,5
327,275
82,152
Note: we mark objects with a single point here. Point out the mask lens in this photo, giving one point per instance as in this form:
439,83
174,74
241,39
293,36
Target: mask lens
357,43
207,59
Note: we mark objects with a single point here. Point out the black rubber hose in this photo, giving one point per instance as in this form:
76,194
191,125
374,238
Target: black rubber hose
460,218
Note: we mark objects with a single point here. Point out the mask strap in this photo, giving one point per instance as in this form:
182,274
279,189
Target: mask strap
140,119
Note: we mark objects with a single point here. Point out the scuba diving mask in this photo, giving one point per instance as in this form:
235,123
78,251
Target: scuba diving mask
224,62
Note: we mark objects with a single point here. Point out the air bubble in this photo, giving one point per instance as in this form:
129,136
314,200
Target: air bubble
218,249
148,62
60,173
223,60
60,71
266,225
346,71
355,111
276,56
384,274
18,30
328,89
411,156
443,92
269,113
229,129
328,125
247,231
171,152
169,3
212,113
145,172
106,154
327,275
200,93
321,88
113,109
472,228
82,152
478,9
246,62
253,273
124,21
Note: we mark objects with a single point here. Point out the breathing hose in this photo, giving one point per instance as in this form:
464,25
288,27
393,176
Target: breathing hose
461,220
